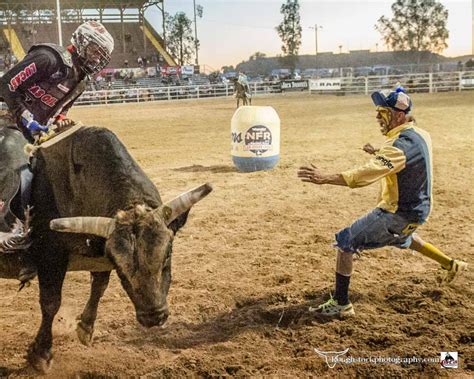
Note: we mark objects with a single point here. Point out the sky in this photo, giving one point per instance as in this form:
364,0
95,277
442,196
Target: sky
230,31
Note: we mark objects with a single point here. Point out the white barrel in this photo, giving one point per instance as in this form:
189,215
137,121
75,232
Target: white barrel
255,135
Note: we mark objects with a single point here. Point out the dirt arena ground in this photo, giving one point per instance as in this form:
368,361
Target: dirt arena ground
257,252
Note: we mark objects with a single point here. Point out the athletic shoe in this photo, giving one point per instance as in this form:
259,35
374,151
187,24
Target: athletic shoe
456,268
331,308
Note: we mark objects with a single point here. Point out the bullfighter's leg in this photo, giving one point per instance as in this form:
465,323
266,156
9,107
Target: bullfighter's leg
85,327
452,267
50,282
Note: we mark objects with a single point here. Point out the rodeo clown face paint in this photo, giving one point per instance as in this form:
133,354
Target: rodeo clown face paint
384,118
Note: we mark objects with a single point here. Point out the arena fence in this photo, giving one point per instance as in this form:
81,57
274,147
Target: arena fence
427,82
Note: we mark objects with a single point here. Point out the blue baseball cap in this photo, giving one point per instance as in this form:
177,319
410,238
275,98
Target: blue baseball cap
397,100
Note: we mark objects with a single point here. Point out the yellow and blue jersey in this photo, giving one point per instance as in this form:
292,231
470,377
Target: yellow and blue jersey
404,166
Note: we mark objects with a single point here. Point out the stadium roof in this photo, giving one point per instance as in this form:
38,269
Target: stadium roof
75,4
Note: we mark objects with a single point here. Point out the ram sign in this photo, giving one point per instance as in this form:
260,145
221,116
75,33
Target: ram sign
324,84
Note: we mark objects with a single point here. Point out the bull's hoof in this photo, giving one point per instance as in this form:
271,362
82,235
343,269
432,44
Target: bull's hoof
41,362
85,333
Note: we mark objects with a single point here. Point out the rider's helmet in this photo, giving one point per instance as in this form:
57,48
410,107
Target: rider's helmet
94,45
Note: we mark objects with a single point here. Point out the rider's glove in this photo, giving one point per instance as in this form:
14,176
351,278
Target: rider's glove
34,127
62,121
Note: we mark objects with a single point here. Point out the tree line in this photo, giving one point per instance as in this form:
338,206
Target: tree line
415,25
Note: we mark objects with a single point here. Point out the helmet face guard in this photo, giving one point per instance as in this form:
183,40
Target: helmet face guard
94,45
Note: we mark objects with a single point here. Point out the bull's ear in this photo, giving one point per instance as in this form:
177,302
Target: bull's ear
167,213
179,222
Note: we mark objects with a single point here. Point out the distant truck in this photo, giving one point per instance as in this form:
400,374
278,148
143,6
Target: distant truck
281,73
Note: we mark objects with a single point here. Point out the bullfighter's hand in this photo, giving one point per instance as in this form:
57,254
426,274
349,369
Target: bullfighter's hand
368,148
312,175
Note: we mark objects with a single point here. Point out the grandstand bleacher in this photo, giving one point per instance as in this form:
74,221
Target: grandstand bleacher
27,22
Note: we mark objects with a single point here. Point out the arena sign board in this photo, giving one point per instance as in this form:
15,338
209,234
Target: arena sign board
151,71
294,85
325,84
170,70
187,70
467,82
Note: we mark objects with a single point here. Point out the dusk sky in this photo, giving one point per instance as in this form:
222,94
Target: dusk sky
230,31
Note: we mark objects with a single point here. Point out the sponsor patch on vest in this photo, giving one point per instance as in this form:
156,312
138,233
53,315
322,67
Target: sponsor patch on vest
384,161
22,77
63,88
41,94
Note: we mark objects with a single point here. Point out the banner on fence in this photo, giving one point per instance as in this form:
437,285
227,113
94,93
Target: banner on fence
187,70
325,84
169,70
151,71
294,85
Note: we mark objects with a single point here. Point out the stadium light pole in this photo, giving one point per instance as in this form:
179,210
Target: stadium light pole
60,31
316,27
195,33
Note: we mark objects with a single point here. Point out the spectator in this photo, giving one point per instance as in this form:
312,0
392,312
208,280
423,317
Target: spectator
7,61
140,61
99,81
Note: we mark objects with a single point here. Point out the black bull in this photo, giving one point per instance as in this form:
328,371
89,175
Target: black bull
104,206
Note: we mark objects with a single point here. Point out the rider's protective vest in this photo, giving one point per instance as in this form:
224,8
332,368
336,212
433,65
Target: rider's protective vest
45,83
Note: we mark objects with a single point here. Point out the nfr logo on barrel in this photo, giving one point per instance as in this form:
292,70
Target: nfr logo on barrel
255,138
258,139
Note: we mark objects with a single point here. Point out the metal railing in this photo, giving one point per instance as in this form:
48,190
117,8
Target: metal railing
135,95
428,82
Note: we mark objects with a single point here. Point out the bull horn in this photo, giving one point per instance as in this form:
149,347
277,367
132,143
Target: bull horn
99,226
186,200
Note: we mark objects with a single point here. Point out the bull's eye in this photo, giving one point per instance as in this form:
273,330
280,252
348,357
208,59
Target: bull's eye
133,241
168,253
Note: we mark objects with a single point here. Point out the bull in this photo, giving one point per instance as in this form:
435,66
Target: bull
94,209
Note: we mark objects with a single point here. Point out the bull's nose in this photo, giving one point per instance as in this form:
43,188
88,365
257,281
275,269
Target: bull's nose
153,318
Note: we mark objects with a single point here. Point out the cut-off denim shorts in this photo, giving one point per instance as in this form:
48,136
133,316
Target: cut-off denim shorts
376,229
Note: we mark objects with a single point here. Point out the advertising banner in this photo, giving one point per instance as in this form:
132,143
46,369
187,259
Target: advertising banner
325,84
294,85
151,71
187,70
169,70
